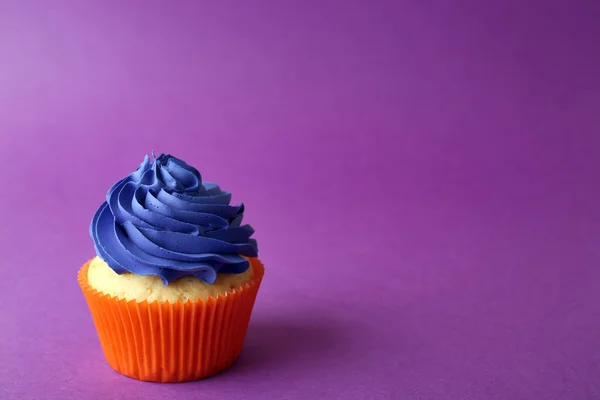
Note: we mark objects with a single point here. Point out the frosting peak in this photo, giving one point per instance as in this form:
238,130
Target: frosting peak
163,220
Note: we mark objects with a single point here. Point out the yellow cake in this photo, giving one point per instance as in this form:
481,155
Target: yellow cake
130,286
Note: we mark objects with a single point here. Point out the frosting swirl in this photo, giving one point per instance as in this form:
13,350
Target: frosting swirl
163,220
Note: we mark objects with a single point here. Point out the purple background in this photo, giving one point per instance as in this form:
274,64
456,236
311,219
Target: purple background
422,176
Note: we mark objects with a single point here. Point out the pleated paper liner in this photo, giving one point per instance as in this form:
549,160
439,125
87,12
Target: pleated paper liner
172,342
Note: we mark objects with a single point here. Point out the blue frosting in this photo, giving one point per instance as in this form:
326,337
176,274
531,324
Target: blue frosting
163,220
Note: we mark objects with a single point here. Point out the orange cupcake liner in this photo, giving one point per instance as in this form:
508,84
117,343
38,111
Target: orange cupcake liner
172,342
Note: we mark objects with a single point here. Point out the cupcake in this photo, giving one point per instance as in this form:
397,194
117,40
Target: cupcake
175,276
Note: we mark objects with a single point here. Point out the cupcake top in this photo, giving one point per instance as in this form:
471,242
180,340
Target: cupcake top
163,220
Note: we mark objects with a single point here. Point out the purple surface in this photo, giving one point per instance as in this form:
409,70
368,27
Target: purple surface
422,177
